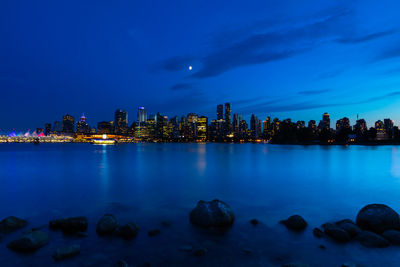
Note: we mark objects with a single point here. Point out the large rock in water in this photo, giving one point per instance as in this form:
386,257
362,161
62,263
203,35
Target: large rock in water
127,231
349,226
336,233
295,223
29,242
370,239
107,225
67,252
378,218
214,213
70,225
11,223
393,236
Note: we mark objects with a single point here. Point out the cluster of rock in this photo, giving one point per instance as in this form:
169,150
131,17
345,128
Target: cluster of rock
108,225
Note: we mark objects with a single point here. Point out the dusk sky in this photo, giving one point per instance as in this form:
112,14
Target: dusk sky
281,59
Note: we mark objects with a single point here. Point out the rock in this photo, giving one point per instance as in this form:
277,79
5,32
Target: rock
165,224
29,242
378,218
212,214
350,264
199,252
186,248
336,233
295,223
294,264
106,225
254,222
121,263
322,247
247,251
67,252
393,236
81,234
349,226
318,232
11,224
127,231
70,225
371,239
154,232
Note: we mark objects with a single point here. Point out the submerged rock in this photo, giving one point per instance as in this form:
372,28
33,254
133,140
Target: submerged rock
29,241
186,248
199,252
67,252
254,222
371,239
11,224
70,225
295,223
154,232
127,231
318,232
212,214
336,233
107,225
349,226
393,236
121,263
378,218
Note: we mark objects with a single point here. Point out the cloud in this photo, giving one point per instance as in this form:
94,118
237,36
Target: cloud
365,38
176,63
314,92
388,54
182,86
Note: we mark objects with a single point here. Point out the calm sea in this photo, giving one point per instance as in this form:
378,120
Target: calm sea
151,183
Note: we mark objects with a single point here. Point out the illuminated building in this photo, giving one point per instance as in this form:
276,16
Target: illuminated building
300,124
82,126
202,124
361,126
105,127
39,131
388,125
58,126
68,124
121,122
312,125
220,112
228,118
379,126
255,127
192,119
47,129
342,124
325,123
237,118
141,115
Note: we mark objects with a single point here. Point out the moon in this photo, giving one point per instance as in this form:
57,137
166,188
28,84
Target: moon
190,67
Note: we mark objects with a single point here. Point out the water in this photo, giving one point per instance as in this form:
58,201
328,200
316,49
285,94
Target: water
151,183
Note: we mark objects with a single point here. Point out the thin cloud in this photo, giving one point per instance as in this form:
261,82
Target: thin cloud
181,86
314,92
388,54
366,38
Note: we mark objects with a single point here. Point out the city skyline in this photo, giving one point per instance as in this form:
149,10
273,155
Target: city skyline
283,60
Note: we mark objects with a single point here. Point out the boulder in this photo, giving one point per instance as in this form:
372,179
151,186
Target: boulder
349,226
318,232
378,218
214,213
336,233
11,223
295,223
393,236
107,225
127,231
29,242
67,252
371,239
70,225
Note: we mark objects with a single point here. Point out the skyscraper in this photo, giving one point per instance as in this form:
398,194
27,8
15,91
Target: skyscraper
228,113
202,125
220,112
121,122
141,115
68,124
82,126
47,129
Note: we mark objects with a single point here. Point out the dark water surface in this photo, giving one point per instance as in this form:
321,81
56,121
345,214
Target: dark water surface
151,183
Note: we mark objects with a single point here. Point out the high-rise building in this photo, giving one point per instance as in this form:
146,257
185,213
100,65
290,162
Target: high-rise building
388,125
361,126
82,126
47,129
68,124
141,115
104,127
58,126
228,113
192,119
255,127
342,124
325,123
220,112
379,126
202,127
121,122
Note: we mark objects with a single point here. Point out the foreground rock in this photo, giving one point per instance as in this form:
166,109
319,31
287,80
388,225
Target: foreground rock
295,223
212,214
336,233
295,264
11,224
29,242
70,225
372,240
68,252
127,231
350,227
107,225
378,218
318,232
393,236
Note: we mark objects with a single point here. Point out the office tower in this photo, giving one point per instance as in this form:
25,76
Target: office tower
388,125
68,124
47,129
82,126
361,126
192,119
121,121
342,124
58,126
325,123
379,126
228,113
220,112
312,125
105,127
255,127
141,115
202,125
236,124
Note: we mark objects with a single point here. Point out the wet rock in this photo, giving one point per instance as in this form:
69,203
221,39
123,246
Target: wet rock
378,218
154,232
186,248
336,233
214,213
349,226
67,252
295,223
127,231
371,239
199,252
121,263
81,234
393,236
318,232
350,264
29,241
322,247
165,224
294,264
254,222
11,224
107,225
70,225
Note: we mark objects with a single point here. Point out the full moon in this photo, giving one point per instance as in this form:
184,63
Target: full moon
190,67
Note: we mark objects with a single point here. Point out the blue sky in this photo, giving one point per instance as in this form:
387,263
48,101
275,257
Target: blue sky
281,59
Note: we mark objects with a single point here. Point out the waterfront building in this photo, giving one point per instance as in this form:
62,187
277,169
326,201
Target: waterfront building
343,124
202,125
82,126
47,129
68,124
105,127
141,115
361,126
300,125
379,126
58,126
220,112
121,122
